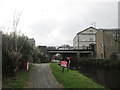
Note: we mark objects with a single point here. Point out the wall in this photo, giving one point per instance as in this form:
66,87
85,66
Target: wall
75,42
84,38
99,44
110,44
106,44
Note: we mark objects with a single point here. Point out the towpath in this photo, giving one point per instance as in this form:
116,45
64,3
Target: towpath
41,77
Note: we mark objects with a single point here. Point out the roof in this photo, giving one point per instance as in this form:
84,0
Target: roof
109,28
83,31
42,46
86,29
31,39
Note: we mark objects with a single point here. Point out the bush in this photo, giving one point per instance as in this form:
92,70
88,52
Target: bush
15,50
106,63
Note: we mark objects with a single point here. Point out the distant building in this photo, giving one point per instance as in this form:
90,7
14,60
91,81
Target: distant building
65,47
51,48
42,49
107,43
62,47
32,42
85,39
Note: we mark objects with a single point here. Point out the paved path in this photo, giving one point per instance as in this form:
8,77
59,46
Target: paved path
42,77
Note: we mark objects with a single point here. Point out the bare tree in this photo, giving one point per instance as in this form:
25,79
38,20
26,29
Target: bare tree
14,43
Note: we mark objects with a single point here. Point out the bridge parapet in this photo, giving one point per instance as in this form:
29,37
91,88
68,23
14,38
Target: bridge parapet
70,51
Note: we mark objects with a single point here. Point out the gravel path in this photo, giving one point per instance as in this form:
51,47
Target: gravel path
42,77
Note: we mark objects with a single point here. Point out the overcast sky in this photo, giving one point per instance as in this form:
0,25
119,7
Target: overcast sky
56,22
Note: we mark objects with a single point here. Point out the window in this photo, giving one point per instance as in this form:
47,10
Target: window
91,39
83,39
83,47
114,35
102,55
91,30
101,44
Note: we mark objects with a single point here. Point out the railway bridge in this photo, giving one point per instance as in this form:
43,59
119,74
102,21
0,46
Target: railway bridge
74,54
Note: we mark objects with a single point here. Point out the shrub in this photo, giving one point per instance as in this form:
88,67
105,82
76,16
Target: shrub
15,50
105,63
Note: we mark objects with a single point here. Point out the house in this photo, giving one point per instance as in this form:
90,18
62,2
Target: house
107,43
85,39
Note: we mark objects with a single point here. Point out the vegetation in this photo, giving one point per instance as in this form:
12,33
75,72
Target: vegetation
72,79
104,63
43,58
35,55
18,81
16,49
57,57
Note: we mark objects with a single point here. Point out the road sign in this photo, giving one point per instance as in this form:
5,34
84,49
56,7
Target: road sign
63,63
68,58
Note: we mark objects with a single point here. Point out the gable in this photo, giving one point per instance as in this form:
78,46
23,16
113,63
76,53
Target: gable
89,30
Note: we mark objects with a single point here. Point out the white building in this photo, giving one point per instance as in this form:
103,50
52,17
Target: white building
83,39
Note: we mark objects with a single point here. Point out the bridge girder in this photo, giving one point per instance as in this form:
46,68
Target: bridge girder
76,54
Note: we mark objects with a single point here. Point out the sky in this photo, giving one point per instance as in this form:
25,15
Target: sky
56,22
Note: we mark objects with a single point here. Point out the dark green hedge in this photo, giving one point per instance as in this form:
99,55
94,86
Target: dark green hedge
99,62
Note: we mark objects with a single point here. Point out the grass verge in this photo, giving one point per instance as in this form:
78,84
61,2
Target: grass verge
72,79
19,80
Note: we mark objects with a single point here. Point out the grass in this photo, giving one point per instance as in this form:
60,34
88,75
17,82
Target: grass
19,80
72,79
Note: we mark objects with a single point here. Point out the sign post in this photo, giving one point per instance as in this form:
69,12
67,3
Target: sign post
65,64
68,58
68,64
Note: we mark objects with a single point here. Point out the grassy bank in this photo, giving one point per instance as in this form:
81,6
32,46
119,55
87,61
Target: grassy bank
18,81
72,79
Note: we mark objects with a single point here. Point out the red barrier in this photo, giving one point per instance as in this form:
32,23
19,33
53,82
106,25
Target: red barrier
26,64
